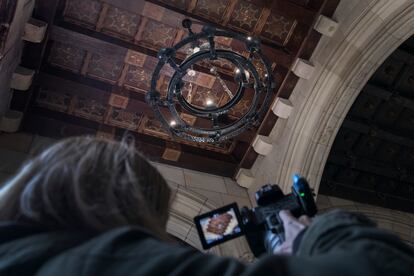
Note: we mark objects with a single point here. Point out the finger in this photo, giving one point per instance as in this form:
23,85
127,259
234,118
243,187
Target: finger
287,217
305,220
283,249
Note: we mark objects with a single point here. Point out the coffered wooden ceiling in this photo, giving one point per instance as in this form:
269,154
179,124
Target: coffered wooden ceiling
372,159
96,64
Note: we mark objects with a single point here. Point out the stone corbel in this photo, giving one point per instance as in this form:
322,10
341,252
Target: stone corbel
282,108
22,78
11,120
262,145
245,178
326,26
34,30
303,69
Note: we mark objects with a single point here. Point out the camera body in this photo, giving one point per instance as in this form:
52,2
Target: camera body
261,225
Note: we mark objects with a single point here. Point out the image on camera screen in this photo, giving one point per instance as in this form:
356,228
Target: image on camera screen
220,225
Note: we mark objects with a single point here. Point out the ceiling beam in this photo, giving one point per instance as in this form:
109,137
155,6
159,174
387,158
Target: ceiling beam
364,195
74,83
369,166
60,125
128,5
377,133
212,23
380,92
103,44
60,83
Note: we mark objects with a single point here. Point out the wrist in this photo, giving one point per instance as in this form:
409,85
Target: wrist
297,241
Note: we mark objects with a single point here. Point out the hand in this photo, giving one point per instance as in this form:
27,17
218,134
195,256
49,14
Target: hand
293,227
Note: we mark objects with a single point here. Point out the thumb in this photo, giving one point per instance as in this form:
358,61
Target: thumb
287,217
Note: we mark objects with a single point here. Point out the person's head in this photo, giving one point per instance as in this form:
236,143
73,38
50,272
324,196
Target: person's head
88,184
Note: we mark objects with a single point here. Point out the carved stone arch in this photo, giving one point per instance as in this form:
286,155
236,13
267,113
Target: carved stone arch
369,31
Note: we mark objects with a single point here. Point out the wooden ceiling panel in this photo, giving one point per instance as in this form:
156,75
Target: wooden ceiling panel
106,68
124,119
279,28
67,56
245,16
100,56
151,126
241,108
138,78
405,123
121,23
345,141
54,100
300,2
406,85
156,34
119,101
180,4
135,58
203,93
84,12
88,108
388,72
388,153
210,9
406,159
388,114
366,107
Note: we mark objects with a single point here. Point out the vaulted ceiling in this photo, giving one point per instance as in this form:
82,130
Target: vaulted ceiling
372,158
95,66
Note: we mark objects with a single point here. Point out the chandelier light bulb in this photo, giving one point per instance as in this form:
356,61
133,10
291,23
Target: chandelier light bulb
209,102
196,50
191,73
173,123
237,71
247,73
249,38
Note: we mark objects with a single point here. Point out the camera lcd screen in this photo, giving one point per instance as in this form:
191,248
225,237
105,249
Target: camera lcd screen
219,225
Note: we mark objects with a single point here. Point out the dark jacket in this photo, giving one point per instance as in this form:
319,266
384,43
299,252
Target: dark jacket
335,244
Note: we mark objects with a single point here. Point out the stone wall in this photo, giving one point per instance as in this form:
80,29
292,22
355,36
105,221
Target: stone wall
400,223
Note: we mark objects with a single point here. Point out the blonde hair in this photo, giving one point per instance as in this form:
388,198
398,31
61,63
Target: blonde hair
88,184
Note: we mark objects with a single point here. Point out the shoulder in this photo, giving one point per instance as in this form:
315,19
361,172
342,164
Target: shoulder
127,251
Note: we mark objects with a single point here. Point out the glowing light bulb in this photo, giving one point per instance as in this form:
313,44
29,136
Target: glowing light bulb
249,38
173,123
191,73
237,71
209,102
247,73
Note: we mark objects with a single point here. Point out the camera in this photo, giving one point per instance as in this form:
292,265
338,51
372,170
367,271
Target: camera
261,225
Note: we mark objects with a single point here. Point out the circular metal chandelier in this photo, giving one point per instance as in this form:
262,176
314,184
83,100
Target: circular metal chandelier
246,76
